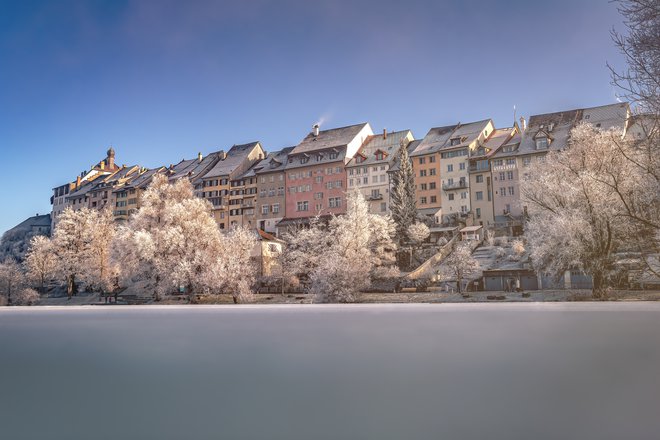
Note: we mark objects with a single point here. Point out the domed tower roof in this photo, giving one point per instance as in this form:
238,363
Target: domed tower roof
111,152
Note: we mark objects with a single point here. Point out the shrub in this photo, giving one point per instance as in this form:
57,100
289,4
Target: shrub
25,297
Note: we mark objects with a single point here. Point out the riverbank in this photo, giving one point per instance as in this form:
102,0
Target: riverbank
86,298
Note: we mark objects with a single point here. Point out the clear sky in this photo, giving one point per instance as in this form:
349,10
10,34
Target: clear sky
163,80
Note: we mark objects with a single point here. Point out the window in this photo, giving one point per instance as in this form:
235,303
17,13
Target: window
379,156
280,191
333,155
350,182
480,195
350,172
478,210
502,175
422,200
480,178
359,159
431,159
276,208
422,186
509,175
374,179
510,190
461,166
364,170
432,172
365,180
328,185
511,161
319,207
334,202
464,195
541,142
264,209
454,141
422,160
383,178
432,185
527,161
302,206
383,207
434,199
503,191
451,196
319,179
337,170
422,173
375,194
450,168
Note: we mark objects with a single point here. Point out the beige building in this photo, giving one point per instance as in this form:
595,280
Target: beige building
271,195
481,181
544,133
63,195
215,185
441,162
368,170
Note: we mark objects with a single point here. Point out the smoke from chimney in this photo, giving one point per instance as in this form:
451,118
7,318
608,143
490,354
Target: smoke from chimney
523,123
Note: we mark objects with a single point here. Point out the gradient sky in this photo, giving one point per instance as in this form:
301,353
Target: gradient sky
162,80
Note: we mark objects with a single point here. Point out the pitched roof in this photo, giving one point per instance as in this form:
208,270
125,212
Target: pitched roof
389,145
326,139
193,168
439,138
275,161
235,157
557,126
394,166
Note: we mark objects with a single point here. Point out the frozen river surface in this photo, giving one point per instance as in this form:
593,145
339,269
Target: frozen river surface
466,371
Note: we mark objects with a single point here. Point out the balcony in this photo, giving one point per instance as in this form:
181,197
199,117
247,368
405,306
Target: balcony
461,184
375,197
505,167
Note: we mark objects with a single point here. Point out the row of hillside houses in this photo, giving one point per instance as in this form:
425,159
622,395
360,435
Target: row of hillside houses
467,173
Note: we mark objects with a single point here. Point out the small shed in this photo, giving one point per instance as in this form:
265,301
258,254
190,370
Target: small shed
510,279
472,233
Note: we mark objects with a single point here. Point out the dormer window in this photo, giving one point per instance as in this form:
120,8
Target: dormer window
542,142
454,141
304,159
334,155
379,156
359,159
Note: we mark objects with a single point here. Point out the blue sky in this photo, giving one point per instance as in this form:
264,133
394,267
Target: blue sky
162,80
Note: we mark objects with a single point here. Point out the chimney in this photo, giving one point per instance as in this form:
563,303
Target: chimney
384,133
102,165
315,130
77,182
523,123
200,157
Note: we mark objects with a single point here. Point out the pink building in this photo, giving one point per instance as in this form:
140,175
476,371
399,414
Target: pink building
315,174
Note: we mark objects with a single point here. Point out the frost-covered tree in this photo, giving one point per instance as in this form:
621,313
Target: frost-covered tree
11,278
72,242
640,46
25,297
304,249
233,270
586,203
100,272
40,261
403,204
460,265
417,233
172,242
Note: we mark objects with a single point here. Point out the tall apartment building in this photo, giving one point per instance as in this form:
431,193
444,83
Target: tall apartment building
215,185
369,168
271,193
441,164
544,133
315,178
243,199
481,180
